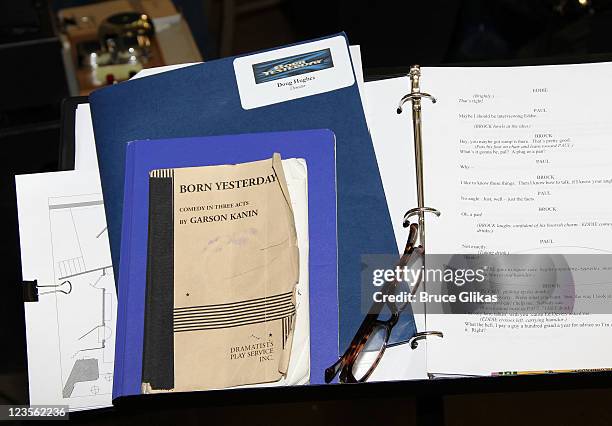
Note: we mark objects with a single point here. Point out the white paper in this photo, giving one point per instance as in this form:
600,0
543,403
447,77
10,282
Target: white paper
296,175
355,52
523,137
71,329
85,156
392,139
147,72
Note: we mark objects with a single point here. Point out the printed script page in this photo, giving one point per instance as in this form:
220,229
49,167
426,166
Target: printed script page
519,160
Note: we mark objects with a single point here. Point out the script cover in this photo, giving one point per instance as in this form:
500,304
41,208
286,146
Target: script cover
222,269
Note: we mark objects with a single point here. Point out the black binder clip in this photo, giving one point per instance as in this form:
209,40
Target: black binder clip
30,291
31,294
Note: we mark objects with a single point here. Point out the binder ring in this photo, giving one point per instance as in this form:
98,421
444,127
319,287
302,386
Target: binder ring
414,96
414,342
417,211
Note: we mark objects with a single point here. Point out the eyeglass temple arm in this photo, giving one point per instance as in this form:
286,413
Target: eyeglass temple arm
331,372
411,241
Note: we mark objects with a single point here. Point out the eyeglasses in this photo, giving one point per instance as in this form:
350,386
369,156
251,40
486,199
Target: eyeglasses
369,344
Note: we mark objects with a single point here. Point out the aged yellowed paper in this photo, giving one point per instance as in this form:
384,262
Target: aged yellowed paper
236,266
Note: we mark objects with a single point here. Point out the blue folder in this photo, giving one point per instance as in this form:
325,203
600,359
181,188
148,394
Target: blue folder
203,100
316,147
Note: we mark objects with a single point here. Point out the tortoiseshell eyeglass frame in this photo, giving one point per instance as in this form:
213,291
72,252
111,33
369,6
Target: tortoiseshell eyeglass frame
345,363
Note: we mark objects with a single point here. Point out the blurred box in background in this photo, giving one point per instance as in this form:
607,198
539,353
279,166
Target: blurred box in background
97,45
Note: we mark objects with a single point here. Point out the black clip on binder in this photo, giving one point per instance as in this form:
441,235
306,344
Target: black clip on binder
31,293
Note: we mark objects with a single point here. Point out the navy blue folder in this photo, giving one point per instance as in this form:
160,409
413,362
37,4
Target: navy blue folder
203,100
316,147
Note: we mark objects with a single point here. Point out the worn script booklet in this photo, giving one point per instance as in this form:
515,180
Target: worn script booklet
223,249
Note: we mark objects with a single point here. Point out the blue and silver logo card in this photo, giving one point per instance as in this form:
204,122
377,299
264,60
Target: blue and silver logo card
292,66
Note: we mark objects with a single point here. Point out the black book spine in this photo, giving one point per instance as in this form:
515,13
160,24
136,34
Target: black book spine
158,345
